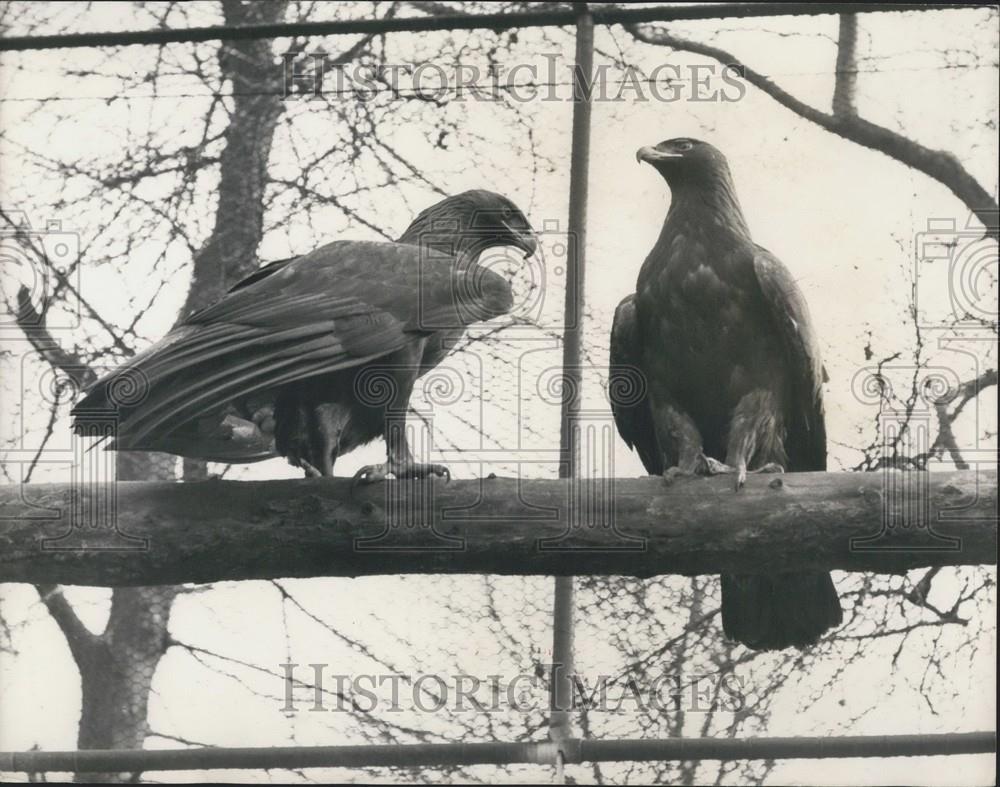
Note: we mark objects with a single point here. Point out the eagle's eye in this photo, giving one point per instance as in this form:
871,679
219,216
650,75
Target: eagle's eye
683,145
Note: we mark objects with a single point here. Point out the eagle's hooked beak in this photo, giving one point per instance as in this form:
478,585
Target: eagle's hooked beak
652,155
528,244
523,239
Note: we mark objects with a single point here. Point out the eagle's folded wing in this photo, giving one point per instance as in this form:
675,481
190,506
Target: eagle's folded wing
343,305
805,443
631,412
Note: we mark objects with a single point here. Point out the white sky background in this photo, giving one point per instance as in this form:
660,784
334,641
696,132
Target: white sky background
844,219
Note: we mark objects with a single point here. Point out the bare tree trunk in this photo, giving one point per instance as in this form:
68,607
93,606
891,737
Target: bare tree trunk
230,253
117,673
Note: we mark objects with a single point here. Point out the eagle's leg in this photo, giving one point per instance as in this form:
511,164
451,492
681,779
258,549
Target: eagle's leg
674,427
308,434
329,421
399,459
401,464
291,433
310,471
756,430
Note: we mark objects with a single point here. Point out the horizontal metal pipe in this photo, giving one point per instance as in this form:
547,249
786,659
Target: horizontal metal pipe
363,756
496,21
788,748
440,754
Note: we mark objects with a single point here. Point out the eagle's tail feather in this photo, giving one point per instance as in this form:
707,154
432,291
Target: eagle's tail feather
771,612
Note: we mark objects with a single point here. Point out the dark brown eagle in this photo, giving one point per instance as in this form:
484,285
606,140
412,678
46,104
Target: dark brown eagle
721,335
311,357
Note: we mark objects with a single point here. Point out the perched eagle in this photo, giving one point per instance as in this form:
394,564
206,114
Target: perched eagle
314,356
721,335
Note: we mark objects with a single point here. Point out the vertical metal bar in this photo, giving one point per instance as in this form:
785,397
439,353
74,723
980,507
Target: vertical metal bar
560,720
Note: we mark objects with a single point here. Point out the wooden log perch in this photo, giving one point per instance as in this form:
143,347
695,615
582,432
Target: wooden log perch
139,533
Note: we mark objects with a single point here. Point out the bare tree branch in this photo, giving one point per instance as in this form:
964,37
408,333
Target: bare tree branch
940,165
846,75
81,641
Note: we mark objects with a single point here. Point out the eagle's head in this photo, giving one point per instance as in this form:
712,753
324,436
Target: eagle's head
685,160
494,214
474,220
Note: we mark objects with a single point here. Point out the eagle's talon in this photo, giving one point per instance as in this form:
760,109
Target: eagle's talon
741,472
423,471
741,477
310,471
370,474
706,465
671,474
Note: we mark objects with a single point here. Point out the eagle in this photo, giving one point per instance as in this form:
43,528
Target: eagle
720,335
311,357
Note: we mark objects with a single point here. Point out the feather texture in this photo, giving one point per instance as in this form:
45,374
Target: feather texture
216,385
723,339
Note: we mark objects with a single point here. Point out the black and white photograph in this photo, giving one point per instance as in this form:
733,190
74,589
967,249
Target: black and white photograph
442,392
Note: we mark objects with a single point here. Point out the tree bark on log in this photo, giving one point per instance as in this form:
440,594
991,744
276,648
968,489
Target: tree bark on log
886,522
